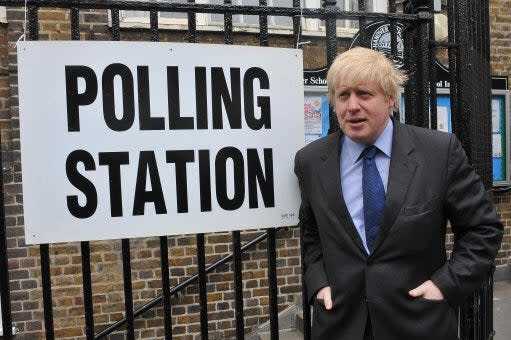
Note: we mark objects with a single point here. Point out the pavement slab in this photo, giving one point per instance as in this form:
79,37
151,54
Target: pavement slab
502,310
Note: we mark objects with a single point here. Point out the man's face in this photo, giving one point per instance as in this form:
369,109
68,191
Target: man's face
362,111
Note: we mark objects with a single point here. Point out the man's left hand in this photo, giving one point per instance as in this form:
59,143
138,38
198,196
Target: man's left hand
428,290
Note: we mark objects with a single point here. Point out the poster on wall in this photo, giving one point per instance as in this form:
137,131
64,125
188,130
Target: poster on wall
315,108
499,137
137,139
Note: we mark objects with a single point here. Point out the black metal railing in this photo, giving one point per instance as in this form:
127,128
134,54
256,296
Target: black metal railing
475,317
235,256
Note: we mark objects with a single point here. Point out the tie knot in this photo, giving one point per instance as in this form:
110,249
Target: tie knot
369,152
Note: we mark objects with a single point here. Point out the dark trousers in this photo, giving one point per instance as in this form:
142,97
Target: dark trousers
368,334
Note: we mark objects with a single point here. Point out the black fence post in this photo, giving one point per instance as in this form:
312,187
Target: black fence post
165,286
128,291
416,53
228,25
469,68
305,298
432,73
471,121
238,285
272,285
47,295
33,34
362,22
202,283
331,9
84,246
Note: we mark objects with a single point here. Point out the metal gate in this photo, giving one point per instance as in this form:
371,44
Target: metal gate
467,52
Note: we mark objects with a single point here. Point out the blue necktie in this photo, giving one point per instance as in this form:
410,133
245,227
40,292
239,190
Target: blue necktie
374,196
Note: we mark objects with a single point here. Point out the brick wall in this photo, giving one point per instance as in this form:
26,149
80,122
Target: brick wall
500,31
503,201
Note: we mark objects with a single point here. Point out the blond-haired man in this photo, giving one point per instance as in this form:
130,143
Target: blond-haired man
376,199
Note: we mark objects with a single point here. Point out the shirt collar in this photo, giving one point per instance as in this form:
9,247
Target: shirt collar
383,142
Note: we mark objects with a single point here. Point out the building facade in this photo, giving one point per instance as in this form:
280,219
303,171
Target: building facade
106,265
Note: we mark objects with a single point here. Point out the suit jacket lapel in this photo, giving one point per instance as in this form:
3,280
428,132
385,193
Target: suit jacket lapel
331,183
401,171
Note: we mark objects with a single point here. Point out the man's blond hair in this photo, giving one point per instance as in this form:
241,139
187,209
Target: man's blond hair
360,66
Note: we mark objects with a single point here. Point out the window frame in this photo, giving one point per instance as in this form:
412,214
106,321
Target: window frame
3,19
310,26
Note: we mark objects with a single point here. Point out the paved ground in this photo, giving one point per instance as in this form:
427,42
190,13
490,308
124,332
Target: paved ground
502,310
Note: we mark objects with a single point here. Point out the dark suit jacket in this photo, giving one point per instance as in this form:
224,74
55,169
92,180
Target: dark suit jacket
430,182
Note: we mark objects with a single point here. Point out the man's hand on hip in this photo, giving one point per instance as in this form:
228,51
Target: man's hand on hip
428,290
325,294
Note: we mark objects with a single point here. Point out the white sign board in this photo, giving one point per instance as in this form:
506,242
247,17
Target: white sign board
135,139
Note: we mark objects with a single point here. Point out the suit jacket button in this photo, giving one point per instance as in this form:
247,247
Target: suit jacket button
370,262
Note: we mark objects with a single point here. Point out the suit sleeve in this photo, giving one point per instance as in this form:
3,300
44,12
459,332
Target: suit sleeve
315,275
476,227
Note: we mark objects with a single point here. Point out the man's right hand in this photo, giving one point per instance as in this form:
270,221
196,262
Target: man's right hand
325,294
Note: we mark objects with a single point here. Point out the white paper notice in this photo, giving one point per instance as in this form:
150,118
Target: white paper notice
442,119
495,115
497,145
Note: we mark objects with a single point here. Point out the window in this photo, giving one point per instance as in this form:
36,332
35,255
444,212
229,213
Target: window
3,18
172,19
251,22
348,6
141,18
